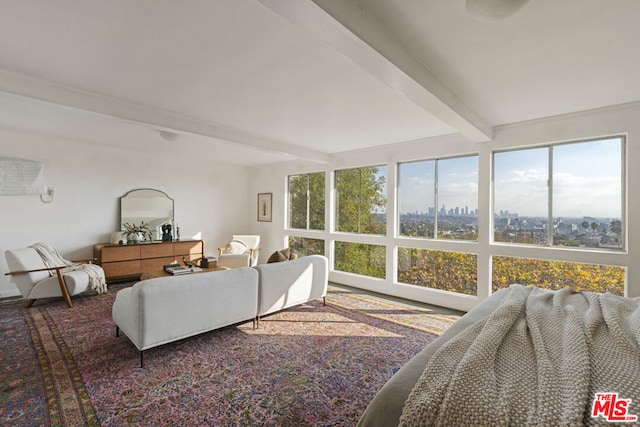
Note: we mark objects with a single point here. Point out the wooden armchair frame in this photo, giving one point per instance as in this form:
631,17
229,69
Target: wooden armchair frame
251,251
61,281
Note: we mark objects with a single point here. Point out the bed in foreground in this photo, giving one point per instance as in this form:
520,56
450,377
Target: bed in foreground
524,356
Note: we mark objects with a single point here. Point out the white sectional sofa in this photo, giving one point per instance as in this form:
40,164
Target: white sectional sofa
162,310
166,309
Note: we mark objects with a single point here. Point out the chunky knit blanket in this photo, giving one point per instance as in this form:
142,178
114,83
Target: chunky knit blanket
538,359
52,258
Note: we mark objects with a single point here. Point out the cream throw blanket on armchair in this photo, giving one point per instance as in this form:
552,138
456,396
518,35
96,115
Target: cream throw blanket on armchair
52,258
538,359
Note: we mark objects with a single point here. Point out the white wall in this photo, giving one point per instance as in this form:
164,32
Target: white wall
211,198
610,121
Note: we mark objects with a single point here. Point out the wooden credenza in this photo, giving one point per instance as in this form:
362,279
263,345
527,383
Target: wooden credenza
123,262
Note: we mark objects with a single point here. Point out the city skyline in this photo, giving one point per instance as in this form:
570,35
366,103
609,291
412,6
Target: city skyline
457,183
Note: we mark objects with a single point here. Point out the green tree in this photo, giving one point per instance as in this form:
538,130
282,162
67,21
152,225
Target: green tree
616,228
360,195
360,198
302,246
360,258
307,201
316,201
298,201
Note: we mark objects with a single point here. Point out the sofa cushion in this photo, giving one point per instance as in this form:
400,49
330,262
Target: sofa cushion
235,247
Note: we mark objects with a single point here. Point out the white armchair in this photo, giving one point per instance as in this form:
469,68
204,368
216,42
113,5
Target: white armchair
35,279
241,251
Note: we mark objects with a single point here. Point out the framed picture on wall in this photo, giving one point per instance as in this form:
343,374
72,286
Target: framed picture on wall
264,207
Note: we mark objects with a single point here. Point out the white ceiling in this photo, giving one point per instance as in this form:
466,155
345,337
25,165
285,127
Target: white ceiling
261,81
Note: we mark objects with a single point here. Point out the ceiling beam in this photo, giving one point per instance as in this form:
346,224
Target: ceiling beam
44,91
346,28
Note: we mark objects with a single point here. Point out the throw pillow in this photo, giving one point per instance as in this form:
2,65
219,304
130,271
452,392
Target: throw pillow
277,256
235,247
282,255
285,252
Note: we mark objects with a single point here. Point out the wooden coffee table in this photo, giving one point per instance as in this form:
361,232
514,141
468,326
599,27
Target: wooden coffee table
161,273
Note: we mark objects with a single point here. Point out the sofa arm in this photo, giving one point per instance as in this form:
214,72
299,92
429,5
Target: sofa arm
288,283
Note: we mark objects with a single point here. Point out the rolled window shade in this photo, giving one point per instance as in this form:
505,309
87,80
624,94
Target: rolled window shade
19,177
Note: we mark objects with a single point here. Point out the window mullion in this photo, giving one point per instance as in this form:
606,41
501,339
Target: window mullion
308,219
550,199
436,210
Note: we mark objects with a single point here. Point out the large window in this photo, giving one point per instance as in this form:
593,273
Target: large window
439,198
561,195
361,199
306,201
557,219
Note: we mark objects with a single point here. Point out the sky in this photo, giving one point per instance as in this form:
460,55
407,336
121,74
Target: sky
457,183
586,181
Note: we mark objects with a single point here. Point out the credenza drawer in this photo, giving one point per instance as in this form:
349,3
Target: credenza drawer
153,264
121,268
188,248
120,253
155,250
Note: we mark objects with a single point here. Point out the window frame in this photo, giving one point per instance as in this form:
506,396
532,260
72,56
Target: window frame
550,213
336,200
436,193
308,202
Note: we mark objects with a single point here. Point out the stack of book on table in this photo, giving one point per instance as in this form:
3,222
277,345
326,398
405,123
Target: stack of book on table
176,269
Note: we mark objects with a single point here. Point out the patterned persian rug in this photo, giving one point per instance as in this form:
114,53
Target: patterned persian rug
308,365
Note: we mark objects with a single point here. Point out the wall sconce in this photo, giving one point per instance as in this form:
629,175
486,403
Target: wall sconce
48,196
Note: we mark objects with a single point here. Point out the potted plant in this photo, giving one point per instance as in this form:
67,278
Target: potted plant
135,233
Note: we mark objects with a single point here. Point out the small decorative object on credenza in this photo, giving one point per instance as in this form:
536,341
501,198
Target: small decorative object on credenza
166,233
136,233
208,262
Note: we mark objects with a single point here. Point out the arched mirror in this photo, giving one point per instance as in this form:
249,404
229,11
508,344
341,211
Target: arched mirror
153,207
